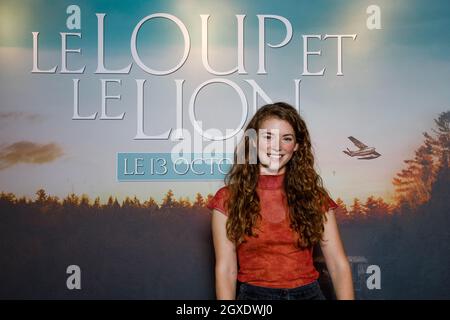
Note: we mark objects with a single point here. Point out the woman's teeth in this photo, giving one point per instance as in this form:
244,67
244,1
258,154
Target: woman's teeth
274,156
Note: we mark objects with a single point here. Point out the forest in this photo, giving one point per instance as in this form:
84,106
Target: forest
149,250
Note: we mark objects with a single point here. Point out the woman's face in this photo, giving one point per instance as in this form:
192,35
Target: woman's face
276,145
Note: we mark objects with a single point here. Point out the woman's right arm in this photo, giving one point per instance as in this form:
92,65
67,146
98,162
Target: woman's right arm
226,260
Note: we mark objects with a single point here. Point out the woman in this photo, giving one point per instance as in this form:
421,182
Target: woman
270,214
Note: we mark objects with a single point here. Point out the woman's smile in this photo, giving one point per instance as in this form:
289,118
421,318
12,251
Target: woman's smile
276,146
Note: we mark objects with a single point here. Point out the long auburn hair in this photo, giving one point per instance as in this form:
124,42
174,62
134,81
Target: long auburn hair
304,189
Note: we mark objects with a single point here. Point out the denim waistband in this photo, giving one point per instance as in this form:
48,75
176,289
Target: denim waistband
308,291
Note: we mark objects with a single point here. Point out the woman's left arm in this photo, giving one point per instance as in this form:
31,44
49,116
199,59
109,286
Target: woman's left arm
336,259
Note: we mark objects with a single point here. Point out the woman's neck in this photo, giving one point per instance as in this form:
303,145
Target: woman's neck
265,171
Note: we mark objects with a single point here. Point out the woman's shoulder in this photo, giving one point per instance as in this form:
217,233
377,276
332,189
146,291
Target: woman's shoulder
223,191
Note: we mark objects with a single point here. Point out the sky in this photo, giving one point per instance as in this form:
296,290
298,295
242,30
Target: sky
395,83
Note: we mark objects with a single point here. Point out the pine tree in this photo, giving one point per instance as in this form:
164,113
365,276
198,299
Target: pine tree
127,203
183,203
199,200
414,183
85,201
356,209
151,204
375,208
97,204
41,196
168,201
8,197
72,200
440,190
136,203
110,202
116,204
341,211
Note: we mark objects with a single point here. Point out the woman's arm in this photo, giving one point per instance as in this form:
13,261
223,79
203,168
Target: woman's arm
336,259
226,260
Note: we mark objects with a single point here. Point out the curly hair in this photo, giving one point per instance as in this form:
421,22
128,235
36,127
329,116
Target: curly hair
304,189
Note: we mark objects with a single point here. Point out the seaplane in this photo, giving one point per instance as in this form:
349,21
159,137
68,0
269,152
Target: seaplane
364,152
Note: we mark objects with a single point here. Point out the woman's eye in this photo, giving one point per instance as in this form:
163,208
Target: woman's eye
288,139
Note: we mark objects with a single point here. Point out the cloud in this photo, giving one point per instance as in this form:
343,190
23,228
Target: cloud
16,115
28,152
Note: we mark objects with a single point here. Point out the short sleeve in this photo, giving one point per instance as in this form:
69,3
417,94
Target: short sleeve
218,201
331,204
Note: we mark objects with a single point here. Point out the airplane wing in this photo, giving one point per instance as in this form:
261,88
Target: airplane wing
376,154
357,143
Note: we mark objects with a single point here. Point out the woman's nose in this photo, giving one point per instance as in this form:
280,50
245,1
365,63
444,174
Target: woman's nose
276,145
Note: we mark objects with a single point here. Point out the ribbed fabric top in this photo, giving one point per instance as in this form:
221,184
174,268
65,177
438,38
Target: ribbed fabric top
271,259
271,182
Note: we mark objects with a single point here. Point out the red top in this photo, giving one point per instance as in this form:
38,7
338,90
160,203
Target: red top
272,259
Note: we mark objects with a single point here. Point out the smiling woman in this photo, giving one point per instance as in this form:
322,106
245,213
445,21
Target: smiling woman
270,215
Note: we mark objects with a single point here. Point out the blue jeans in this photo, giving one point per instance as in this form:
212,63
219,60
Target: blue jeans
310,291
